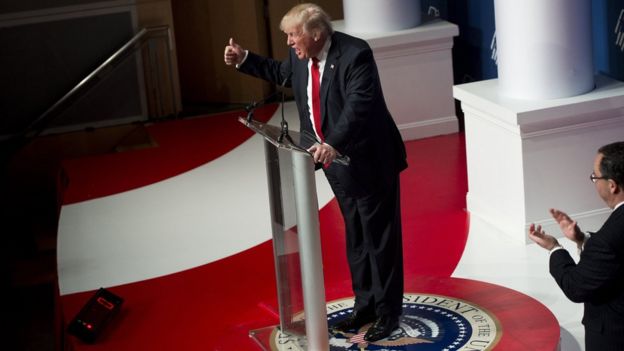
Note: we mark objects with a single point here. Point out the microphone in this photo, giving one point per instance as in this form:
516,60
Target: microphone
252,106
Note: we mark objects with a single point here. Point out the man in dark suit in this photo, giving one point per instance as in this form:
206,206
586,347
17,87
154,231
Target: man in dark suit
597,279
348,115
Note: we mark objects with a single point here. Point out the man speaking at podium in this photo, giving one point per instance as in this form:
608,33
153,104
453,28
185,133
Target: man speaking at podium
339,99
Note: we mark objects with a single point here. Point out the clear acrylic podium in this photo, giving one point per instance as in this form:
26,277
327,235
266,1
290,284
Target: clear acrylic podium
296,242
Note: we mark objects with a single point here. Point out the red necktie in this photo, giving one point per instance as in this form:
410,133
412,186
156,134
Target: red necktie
316,98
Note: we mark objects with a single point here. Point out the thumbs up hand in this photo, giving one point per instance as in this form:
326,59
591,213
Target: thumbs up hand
234,53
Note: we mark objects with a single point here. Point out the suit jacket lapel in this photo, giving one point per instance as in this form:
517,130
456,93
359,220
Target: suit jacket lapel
301,91
302,68
331,65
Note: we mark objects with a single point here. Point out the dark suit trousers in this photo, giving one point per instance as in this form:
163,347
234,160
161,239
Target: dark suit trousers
374,247
596,341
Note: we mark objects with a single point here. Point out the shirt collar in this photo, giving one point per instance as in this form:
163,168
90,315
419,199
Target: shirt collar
322,56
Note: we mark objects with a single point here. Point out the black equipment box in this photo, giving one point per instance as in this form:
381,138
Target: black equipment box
95,315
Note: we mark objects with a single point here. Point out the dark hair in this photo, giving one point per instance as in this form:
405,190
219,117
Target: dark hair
612,163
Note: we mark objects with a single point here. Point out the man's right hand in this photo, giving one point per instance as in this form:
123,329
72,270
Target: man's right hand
234,53
568,226
537,234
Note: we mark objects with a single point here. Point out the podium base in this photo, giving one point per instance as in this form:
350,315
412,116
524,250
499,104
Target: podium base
272,339
262,337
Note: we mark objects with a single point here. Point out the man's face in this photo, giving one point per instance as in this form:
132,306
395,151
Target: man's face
304,44
603,186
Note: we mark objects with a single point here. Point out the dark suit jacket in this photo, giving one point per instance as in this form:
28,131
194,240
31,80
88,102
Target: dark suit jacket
598,278
354,116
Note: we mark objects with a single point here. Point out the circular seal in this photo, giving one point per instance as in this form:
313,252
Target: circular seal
428,323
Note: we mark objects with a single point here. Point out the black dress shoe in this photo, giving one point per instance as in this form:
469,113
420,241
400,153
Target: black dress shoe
354,321
382,328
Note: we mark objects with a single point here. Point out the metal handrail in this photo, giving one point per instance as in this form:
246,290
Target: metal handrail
140,37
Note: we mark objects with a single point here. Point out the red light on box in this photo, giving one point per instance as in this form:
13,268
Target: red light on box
107,304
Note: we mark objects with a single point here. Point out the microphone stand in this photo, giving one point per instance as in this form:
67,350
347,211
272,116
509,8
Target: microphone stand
250,111
284,125
251,107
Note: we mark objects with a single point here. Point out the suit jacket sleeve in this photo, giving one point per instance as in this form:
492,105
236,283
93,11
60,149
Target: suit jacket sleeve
588,280
267,68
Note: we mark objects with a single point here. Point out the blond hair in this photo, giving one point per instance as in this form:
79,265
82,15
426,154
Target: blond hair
311,17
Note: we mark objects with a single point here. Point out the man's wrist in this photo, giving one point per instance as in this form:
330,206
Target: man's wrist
579,236
243,60
581,244
556,247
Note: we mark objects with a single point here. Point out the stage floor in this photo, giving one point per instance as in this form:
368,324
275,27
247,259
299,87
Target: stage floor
181,231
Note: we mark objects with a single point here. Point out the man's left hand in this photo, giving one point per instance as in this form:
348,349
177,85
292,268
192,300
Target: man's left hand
323,153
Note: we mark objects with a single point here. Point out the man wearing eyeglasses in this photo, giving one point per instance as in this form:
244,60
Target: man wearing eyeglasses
597,279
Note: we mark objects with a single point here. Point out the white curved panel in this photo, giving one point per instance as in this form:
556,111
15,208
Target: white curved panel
209,213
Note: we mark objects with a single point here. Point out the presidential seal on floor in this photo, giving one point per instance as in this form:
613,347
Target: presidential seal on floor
428,323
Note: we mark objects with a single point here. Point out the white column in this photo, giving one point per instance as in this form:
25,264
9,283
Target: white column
526,156
372,16
544,48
